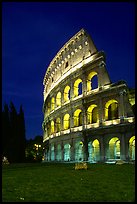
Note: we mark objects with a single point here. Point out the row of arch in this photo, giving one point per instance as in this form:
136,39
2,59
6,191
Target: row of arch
92,83
92,116
70,49
113,151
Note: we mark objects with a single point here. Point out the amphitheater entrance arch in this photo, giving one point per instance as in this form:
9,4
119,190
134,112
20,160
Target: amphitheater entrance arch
92,81
67,152
66,121
79,151
67,93
94,151
114,148
78,87
92,114
132,148
111,110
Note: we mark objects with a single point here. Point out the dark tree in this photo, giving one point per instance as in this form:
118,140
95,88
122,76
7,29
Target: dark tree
13,134
14,140
21,134
6,129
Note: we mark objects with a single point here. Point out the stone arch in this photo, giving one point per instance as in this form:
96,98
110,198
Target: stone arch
79,156
132,148
92,81
67,93
52,103
66,121
94,151
92,114
77,118
58,99
77,87
67,152
111,110
52,127
114,148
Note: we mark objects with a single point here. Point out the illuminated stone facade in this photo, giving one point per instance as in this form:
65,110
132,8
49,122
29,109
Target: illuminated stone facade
86,116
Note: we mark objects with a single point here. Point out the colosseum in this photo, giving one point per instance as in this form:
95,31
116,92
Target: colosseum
86,116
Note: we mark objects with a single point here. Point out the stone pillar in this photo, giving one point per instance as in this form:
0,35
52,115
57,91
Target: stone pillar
84,84
84,117
72,156
55,151
121,105
62,150
49,152
61,122
71,89
71,119
85,147
100,112
122,148
127,156
102,149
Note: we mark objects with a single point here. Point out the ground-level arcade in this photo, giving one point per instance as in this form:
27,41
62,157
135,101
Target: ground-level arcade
100,145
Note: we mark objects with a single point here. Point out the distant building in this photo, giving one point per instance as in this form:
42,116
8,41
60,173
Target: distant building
86,116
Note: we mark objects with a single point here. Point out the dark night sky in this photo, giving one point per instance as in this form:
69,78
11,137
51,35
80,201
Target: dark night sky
32,34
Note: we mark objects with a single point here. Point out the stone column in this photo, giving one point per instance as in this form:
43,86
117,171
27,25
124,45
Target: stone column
122,148
122,105
84,117
101,111
84,84
55,151
72,156
102,149
85,147
62,150
71,119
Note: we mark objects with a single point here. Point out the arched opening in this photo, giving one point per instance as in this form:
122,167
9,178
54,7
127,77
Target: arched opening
58,125
111,110
92,114
66,94
79,151
96,150
58,99
66,121
114,148
58,153
92,81
78,87
132,148
52,127
77,118
67,152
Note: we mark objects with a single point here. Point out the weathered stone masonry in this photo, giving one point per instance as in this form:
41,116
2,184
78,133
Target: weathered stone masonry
86,116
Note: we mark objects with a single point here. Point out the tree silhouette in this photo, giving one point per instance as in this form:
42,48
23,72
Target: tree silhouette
13,134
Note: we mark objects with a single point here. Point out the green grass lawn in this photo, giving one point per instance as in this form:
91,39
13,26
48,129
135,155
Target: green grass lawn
53,182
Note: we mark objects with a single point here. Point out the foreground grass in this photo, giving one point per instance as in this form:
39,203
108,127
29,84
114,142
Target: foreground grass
52,182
